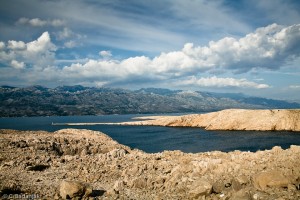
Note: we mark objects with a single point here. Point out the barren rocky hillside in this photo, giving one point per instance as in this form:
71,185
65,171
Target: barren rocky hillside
73,163
79,100
231,119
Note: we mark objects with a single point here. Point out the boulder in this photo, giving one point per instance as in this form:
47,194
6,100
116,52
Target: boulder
218,187
236,186
241,195
74,189
273,178
242,179
200,187
140,182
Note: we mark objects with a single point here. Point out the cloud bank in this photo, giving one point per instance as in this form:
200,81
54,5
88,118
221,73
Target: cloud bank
268,47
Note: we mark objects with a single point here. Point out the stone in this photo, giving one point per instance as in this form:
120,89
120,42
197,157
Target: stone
241,195
200,187
236,186
74,189
139,182
273,178
56,147
118,186
117,153
291,187
260,195
218,187
295,149
242,179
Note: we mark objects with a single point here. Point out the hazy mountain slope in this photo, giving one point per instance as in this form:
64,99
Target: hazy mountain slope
79,100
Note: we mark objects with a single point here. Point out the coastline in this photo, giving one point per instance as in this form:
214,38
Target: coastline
39,162
230,119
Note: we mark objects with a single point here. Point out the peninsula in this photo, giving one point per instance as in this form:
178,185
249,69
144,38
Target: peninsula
230,119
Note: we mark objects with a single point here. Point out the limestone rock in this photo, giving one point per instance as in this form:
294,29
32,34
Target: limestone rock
273,178
295,149
117,153
218,186
199,188
74,189
242,179
236,186
231,119
139,182
241,195
118,172
118,186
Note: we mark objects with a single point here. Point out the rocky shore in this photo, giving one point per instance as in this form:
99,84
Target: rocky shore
74,163
231,119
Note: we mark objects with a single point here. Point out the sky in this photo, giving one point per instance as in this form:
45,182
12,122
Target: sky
248,46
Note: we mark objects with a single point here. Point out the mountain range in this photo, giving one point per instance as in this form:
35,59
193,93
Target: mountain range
79,100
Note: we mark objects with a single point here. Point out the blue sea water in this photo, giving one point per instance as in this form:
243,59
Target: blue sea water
153,139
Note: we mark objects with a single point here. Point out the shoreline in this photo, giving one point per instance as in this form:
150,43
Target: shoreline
230,120
45,163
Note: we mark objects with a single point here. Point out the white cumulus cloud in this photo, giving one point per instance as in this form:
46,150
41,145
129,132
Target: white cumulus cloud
38,53
37,22
42,44
268,47
222,82
17,65
105,53
16,45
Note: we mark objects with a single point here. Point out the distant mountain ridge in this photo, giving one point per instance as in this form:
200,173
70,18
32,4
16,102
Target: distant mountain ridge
79,100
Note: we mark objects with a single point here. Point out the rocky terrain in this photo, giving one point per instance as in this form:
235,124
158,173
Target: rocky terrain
231,119
79,100
74,163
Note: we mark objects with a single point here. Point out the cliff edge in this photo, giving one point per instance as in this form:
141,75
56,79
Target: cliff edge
231,119
84,164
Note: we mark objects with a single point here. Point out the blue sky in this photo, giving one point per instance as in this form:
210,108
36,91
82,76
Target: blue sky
249,46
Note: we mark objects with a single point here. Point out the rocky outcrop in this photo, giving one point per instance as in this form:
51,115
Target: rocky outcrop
231,119
84,164
270,179
74,189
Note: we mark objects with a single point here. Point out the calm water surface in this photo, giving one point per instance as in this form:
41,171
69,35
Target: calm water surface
156,139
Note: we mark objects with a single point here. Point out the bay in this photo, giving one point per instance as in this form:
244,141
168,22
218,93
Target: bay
154,139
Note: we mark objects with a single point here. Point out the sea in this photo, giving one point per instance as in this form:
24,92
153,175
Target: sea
153,139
